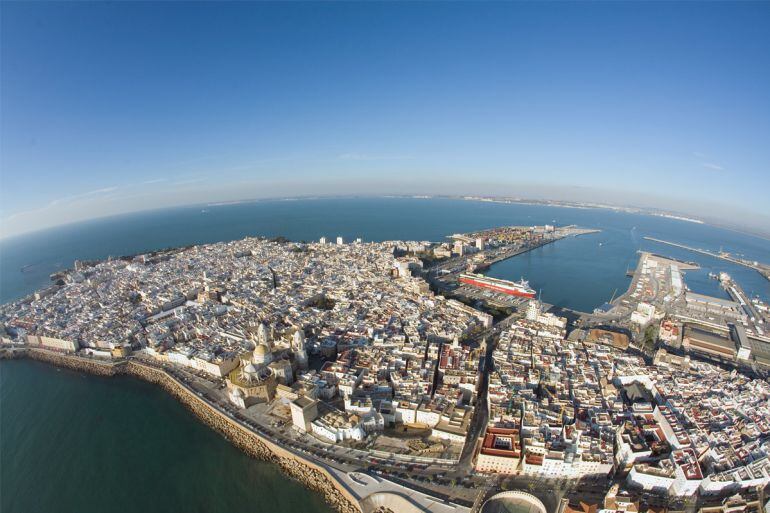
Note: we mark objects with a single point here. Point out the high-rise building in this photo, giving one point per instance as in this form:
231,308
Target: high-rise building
340,242
533,310
322,240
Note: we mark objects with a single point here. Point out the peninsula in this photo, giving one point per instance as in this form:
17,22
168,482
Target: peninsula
379,374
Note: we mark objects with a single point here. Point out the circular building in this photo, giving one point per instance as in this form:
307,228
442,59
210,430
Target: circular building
513,502
388,502
256,383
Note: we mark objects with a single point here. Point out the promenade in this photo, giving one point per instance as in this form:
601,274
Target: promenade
344,488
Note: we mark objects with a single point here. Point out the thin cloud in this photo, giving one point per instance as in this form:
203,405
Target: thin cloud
260,162
189,181
706,162
370,157
82,195
157,180
100,191
67,202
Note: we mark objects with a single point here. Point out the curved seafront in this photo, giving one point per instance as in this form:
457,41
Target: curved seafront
312,476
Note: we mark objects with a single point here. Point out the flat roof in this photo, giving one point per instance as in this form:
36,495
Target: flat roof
303,402
708,337
700,298
759,348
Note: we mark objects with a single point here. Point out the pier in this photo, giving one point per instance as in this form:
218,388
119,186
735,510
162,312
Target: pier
762,269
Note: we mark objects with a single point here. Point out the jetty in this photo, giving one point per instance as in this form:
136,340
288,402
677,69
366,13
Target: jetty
763,269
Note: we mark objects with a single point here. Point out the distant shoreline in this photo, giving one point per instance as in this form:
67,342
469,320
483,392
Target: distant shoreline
482,199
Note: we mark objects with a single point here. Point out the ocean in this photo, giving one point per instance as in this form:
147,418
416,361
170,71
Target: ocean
74,442
71,442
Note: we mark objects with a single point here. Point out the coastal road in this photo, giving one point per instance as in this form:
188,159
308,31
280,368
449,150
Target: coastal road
426,478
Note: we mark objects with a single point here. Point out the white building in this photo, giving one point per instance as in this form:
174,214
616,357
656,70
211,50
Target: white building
533,310
219,365
651,478
644,313
338,426
53,343
303,412
406,412
426,415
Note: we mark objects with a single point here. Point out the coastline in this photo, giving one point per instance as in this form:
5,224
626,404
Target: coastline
646,211
311,475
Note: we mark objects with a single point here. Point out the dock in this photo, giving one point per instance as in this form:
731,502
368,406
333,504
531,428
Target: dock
762,269
443,275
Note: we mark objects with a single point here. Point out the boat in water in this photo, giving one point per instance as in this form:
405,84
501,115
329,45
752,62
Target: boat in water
512,288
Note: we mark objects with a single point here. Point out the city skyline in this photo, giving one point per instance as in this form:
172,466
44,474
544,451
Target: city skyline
115,108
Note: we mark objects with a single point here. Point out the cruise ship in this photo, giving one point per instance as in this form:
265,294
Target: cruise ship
520,288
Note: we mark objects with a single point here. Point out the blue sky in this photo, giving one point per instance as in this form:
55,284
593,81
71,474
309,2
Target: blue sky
114,107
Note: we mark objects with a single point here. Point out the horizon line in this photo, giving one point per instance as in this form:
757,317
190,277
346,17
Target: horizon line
481,198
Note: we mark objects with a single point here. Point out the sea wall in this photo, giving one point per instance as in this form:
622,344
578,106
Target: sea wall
92,366
313,476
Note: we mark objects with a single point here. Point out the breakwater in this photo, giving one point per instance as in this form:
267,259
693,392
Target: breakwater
310,474
762,269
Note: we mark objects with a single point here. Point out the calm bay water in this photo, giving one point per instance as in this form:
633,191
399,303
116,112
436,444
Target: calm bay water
79,443
577,273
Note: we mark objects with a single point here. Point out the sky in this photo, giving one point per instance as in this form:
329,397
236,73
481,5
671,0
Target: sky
108,108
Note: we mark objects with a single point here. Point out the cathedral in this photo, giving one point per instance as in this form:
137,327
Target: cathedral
262,369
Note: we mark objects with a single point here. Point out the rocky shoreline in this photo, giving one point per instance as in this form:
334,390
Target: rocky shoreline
309,474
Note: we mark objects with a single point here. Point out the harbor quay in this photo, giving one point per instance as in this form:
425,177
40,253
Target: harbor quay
456,273
658,307
761,268
348,367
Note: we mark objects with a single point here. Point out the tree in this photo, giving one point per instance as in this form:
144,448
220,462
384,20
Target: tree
650,337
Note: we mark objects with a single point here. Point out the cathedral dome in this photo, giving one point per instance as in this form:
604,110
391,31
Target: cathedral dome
262,355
